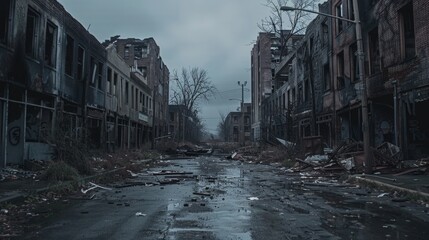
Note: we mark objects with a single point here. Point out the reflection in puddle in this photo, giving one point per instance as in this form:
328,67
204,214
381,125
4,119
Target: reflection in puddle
369,220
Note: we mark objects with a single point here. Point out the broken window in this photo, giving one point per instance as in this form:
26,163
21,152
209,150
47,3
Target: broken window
115,83
293,95
144,71
306,91
4,20
325,33
340,70
137,99
351,10
93,67
132,96
50,44
137,52
80,62
300,93
326,77
127,52
354,64
32,33
145,50
69,55
408,43
109,80
339,13
100,75
374,51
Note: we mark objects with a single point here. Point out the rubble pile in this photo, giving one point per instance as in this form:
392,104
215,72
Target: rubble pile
15,173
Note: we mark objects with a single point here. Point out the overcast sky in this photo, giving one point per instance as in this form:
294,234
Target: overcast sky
216,35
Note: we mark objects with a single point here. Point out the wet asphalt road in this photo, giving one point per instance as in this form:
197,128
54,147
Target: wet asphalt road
236,201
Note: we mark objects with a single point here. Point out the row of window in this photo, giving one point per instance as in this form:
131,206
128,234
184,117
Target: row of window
406,31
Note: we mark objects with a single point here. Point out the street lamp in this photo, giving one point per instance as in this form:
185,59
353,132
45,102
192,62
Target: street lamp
242,90
360,54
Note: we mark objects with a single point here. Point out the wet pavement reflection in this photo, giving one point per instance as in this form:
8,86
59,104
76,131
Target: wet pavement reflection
233,200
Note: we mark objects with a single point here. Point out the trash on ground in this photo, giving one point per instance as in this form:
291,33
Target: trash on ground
140,214
253,198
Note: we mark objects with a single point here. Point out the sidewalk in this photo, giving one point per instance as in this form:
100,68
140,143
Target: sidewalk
417,185
21,188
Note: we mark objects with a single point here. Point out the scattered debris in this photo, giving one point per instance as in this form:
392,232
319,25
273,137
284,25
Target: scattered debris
253,198
382,195
94,186
202,194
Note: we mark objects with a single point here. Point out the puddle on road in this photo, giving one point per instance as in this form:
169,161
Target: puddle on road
370,220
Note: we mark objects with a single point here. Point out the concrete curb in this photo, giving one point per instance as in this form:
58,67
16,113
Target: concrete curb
22,195
422,195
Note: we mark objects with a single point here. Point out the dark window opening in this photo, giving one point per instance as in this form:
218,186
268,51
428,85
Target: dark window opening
50,44
100,75
326,77
132,96
4,20
351,10
93,70
137,52
69,55
32,33
354,64
374,52
137,99
325,33
109,79
340,70
339,12
80,62
306,91
300,94
127,52
126,92
115,83
171,116
408,43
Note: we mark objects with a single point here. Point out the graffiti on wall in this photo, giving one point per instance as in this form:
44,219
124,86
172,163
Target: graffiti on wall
14,135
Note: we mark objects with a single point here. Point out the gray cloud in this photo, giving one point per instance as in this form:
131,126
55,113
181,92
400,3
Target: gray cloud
215,35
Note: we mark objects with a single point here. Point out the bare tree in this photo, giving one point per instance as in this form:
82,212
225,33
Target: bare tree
284,25
192,87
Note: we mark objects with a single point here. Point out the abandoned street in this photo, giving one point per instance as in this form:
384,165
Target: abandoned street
213,198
